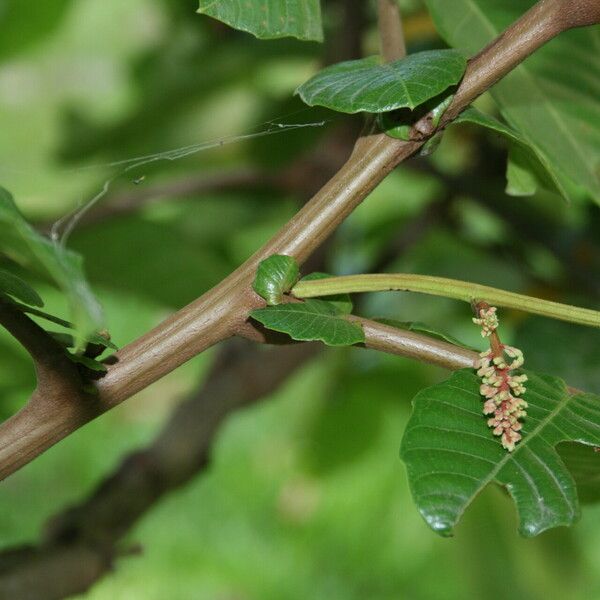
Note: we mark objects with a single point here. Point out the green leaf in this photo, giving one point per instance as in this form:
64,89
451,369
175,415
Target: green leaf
17,288
95,338
88,363
24,245
419,327
398,124
367,86
64,339
451,454
44,315
311,320
341,301
275,276
68,341
552,98
528,168
268,19
520,178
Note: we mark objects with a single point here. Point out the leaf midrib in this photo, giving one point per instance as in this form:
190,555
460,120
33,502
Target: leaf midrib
512,455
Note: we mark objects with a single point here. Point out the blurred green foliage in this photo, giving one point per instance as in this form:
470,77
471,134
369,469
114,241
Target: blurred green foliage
306,496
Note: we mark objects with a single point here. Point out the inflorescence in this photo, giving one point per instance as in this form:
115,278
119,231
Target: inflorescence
499,386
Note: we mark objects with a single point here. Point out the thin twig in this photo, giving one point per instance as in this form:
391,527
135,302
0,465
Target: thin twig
447,288
415,345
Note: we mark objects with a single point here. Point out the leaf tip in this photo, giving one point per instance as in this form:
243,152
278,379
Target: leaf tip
443,527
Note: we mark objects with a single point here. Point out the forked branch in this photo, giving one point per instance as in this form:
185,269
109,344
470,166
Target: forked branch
218,314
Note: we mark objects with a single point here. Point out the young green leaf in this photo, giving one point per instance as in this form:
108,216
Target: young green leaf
14,286
528,168
88,363
311,320
341,301
367,86
275,276
552,98
451,455
419,327
24,245
268,19
68,341
64,339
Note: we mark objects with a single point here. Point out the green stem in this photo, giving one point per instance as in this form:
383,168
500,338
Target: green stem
448,288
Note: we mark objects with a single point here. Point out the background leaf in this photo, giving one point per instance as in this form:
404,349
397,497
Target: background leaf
22,27
274,276
367,86
571,352
583,463
24,245
311,320
269,18
552,98
527,168
451,454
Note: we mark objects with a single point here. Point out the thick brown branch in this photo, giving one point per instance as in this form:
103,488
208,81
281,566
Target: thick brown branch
81,543
58,397
215,316
51,573
391,35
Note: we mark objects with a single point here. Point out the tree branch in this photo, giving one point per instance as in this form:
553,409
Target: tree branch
80,544
448,288
414,345
215,316
393,46
544,21
51,363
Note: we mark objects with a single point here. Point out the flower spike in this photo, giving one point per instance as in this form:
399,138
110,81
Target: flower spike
499,386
